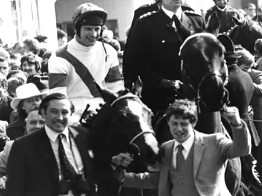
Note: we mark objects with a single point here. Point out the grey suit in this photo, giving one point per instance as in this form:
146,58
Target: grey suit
210,154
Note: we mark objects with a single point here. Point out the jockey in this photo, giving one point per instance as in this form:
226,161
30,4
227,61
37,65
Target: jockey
75,67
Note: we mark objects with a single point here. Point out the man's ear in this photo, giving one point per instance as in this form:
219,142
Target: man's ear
41,112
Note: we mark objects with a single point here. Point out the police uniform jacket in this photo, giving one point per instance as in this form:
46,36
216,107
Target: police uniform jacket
224,16
152,52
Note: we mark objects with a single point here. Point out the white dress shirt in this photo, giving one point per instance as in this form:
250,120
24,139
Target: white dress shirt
72,155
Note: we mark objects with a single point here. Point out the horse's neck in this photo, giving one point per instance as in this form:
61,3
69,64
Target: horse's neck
209,122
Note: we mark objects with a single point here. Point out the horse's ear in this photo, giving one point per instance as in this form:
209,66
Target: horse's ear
137,87
237,21
213,24
108,96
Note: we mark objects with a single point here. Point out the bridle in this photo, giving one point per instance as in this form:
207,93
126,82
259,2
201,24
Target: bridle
197,88
133,148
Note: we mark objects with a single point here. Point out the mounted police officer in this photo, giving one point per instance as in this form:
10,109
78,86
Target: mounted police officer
224,13
152,51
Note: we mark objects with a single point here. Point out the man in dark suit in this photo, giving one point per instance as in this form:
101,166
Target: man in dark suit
152,51
54,160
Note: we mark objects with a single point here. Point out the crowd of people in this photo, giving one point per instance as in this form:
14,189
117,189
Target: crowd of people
43,94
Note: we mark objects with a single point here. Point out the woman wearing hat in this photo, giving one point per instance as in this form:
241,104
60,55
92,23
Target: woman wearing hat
27,98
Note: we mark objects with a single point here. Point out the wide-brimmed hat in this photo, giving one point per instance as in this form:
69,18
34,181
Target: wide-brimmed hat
229,46
24,92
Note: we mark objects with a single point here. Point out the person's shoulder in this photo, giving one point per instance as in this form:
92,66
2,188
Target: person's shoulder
192,13
148,15
167,144
211,10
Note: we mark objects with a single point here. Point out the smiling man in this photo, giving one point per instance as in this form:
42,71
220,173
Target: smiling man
53,160
194,163
75,66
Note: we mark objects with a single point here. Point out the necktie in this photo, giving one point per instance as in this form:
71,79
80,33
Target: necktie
180,160
67,170
183,31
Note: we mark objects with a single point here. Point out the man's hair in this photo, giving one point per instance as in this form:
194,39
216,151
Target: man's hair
183,108
54,96
33,45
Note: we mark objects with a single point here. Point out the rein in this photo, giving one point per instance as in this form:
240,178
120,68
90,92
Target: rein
197,89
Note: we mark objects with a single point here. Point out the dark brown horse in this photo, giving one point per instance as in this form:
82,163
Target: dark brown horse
123,124
245,33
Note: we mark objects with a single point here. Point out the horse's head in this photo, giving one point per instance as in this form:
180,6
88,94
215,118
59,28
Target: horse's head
124,123
245,33
204,71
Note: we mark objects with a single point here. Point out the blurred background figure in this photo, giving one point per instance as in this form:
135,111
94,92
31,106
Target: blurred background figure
61,37
252,12
258,54
4,66
30,65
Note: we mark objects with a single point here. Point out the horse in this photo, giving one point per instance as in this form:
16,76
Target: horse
204,75
122,124
245,33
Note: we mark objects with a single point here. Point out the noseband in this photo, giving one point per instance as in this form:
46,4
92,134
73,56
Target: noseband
199,86
133,148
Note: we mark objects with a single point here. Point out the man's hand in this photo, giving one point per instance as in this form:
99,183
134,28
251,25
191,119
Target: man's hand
122,159
232,114
173,84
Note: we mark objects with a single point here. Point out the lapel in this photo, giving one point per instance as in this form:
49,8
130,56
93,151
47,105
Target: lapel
199,148
186,21
45,149
168,158
83,150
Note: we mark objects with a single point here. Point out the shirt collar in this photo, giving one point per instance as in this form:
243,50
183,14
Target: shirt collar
222,9
170,13
186,144
53,135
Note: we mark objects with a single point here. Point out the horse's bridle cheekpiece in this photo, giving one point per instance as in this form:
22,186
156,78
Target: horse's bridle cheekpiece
133,148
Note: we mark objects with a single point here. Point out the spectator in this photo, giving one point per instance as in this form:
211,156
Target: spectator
17,73
74,68
252,12
31,45
30,65
34,122
258,54
47,155
27,98
44,63
224,13
4,66
194,163
5,109
12,84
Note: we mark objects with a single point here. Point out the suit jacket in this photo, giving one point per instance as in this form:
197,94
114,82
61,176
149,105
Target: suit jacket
210,154
152,52
32,168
